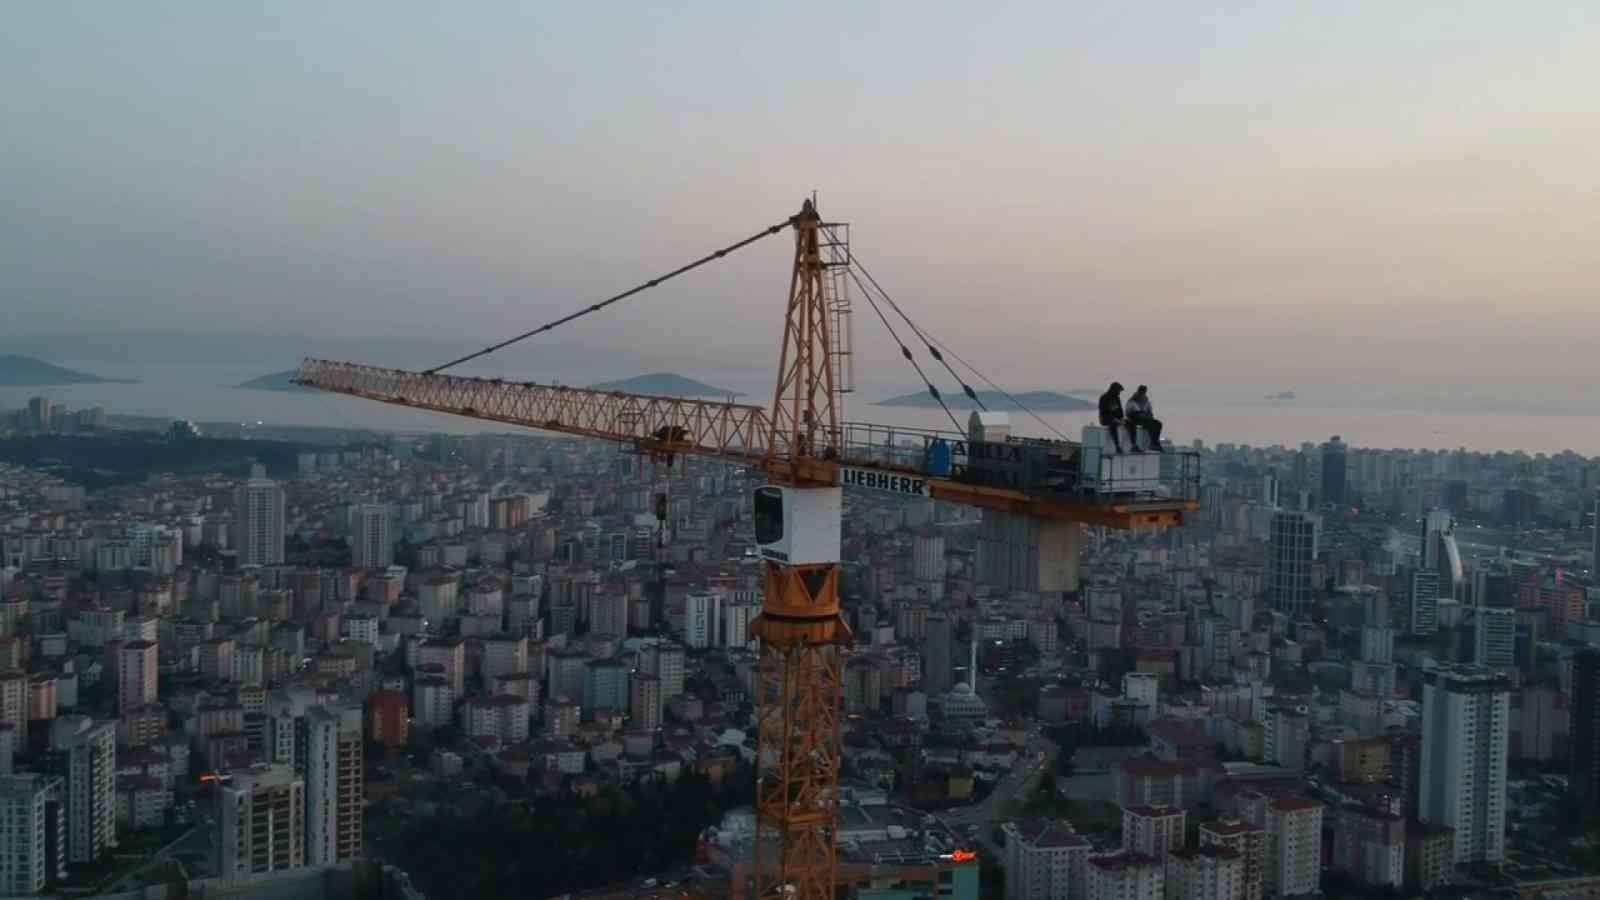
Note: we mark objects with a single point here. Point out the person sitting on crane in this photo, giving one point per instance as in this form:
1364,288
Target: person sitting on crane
1143,415
1111,413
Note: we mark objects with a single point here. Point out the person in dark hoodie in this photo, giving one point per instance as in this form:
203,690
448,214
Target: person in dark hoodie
1111,418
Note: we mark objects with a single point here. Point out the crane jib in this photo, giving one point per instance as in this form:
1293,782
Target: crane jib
905,485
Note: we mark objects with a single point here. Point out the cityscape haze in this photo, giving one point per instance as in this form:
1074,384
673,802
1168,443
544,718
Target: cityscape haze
1233,532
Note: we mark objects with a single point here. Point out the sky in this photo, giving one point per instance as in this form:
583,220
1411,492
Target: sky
1249,196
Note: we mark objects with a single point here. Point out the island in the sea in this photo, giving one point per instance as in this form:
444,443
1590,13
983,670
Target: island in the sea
664,384
277,381
1041,401
25,371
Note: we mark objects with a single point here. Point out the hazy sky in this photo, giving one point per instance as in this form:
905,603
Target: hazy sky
1273,193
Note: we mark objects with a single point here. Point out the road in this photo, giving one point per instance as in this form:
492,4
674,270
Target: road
1037,757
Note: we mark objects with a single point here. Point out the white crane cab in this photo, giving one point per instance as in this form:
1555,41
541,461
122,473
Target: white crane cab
797,526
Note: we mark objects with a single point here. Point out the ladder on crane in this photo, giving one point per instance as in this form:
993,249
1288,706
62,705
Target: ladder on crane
808,454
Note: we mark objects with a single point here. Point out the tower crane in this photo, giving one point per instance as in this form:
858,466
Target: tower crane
808,453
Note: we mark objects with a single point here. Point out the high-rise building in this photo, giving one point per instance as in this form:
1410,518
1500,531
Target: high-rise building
335,782
503,654
1289,560
1584,708
1594,549
927,564
1125,876
605,686
663,660
1205,873
700,618
1154,831
1269,490
938,663
1045,861
389,718
259,505
1440,553
31,839
39,413
370,544
261,821
644,702
1377,644
1466,730
1294,842
608,613
736,619
84,753
1494,633
1246,839
1424,602
1333,471
14,691
136,675
1370,845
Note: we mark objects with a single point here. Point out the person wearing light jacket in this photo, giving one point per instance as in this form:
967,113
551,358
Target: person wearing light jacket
1141,414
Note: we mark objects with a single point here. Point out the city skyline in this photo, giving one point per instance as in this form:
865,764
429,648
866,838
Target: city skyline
1281,195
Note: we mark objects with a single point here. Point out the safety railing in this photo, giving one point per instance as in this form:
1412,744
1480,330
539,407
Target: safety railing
1032,466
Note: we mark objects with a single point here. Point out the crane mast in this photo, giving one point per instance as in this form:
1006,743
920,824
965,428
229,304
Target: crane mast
799,681
808,454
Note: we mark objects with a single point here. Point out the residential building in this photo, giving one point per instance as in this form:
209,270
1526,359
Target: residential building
503,655
1246,839
261,821
1584,728
1430,855
136,675
644,702
1154,831
1290,555
1466,728
605,686
1495,638
84,753
1334,454
1205,873
370,544
335,781
664,660
1294,842
1370,846
1045,861
1125,876
259,508
32,839
388,718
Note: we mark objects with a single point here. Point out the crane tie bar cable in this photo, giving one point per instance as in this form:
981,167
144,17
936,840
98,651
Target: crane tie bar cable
767,232
934,344
904,350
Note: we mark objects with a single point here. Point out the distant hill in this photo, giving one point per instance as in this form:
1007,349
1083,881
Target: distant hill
1040,401
25,371
665,384
277,381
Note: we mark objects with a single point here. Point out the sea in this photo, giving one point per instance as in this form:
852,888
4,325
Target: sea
205,392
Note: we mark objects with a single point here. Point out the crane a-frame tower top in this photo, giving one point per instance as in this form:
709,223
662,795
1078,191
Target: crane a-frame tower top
808,453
